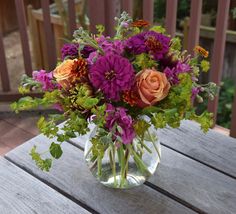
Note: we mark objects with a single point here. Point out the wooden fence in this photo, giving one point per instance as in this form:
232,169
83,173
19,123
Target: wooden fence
103,12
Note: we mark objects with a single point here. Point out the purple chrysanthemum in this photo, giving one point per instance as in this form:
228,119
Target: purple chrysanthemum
71,50
119,117
46,79
112,74
151,42
172,73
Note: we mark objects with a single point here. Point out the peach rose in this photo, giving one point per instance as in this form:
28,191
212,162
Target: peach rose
65,72
152,85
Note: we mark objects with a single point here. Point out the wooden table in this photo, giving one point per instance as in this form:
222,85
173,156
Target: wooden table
197,174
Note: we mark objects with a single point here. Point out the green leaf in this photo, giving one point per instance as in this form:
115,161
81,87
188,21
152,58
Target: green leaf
55,150
43,164
89,103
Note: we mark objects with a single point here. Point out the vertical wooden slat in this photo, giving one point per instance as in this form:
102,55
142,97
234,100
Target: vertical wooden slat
110,13
127,5
50,40
171,14
34,35
233,119
20,11
71,17
218,49
3,67
96,13
148,10
194,24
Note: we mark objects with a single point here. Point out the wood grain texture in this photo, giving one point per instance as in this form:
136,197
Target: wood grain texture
213,149
204,188
21,193
71,175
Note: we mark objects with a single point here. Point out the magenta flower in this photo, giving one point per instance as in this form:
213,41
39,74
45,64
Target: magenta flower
46,79
119,117
112,74
172,73
195,92
111,47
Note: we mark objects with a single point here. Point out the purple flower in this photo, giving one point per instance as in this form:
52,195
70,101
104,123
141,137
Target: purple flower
111,47
46,79
136,44
195,92
172,73
93,56
151,42
112,74
119,117
87,50
71,50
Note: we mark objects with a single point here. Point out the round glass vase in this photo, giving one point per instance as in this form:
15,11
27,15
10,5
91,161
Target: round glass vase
124,166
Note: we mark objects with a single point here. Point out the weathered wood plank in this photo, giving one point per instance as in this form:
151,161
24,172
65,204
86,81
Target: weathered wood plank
22,193
213,149
71,175
193,183
204,188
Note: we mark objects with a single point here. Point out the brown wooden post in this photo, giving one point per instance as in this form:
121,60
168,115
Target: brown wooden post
148,10
127,5
218,50
20,11
50,40
194,24
3,67
110,13
71,17
171,14
96,13
233,119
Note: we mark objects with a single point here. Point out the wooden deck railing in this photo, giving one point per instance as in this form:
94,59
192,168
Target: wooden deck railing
102,12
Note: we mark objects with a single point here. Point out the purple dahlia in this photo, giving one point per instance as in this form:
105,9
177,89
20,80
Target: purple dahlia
112,74
118,116
151,42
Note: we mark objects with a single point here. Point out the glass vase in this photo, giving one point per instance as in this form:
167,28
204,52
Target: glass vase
124,165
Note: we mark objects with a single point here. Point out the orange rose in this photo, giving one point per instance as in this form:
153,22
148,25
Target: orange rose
70,70
152,85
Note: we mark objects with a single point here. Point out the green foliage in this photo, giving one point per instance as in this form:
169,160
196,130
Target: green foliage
43,164
75,124
100,29
26,103
48,128
140,127
176,44
99,111
225,105
205,119
144,61
205,65
158,29
55,150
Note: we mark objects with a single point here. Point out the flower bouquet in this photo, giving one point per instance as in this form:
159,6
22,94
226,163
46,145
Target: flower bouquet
118,91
